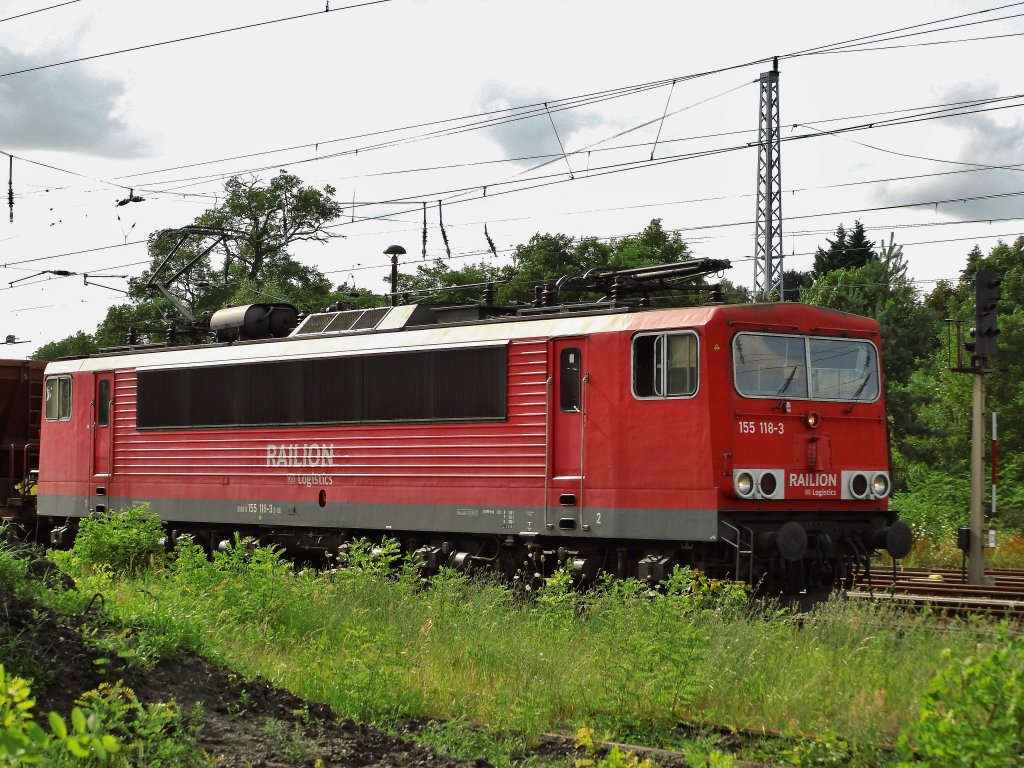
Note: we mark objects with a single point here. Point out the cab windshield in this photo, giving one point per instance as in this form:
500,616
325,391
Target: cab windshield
805,367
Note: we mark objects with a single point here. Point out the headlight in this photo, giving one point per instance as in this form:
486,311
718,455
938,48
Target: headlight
859,486
768,484
880,486
744,484
865,484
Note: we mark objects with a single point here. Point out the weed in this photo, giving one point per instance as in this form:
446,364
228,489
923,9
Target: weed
23,741
469,742
293,745
691,590
612,758
124,542
153,734
972,713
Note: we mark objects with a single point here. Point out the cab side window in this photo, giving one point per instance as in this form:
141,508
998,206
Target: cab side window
665,365
58,398
103,404
569,388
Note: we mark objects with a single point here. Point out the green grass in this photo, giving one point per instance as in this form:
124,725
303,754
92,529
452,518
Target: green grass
489,670
632,665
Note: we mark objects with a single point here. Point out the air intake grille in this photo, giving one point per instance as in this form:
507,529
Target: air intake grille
350,320
424,386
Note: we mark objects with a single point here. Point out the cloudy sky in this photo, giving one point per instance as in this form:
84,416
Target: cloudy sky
903,115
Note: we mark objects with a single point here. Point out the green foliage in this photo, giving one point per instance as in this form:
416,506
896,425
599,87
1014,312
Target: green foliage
374,559
972,713
86,739
692,590
936,505
825,751
263,221
793,281
152,734
124,542
716,758
21,739
931,409
80,343
879,287
13,567
596,757
545,258
850,250
24,742
558,591
246,576
432,283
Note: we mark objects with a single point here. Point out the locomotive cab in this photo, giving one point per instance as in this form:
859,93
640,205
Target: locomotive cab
807,432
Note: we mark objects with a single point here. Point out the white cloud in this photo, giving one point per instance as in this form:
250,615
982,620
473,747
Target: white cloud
982,139
533,136
63,109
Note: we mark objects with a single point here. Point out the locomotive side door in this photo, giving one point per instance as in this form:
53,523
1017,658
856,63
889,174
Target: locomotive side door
567,412
102,441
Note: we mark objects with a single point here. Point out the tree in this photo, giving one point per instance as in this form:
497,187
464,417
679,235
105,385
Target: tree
848,251
438,283
881,289
264,220
792,281
546,258
939,450
81,343
240,253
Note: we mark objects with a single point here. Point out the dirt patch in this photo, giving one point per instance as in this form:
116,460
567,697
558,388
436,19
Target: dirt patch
244,722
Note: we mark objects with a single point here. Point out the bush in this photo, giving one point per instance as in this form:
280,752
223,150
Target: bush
125,542
972,713
13,568
23,741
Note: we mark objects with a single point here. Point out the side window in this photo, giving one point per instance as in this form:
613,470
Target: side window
569,376
665,365
103,403
681,368
58,398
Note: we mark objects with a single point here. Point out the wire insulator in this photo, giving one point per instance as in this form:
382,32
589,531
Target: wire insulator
444,235
490,243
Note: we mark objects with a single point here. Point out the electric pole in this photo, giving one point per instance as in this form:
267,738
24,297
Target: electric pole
768,231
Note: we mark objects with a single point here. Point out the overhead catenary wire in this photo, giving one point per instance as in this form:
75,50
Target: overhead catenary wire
868,38
608,93
199,36
468,193
38,10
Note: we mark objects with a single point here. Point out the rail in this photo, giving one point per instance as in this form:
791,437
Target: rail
943,590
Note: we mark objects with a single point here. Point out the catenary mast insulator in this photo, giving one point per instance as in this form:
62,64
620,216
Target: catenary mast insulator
768,235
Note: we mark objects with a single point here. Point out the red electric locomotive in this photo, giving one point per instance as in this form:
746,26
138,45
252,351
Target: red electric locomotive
747,440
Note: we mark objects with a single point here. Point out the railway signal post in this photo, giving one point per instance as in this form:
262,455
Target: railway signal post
985,332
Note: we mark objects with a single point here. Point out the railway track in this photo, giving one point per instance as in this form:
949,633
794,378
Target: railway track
945,590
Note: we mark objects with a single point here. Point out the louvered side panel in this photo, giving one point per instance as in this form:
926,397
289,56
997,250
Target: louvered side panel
123,417
511,449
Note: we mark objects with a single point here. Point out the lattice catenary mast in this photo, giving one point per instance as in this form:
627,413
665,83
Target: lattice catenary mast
768,234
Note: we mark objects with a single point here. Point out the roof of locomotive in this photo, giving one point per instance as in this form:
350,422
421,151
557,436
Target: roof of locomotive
779,317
